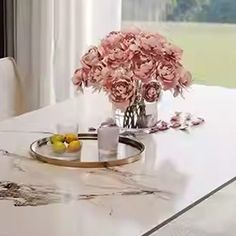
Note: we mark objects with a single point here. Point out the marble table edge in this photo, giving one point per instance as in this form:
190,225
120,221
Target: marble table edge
189,207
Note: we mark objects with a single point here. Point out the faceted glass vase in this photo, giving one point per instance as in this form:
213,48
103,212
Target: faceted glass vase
140,115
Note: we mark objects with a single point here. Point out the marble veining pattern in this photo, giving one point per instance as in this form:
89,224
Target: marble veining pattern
36,195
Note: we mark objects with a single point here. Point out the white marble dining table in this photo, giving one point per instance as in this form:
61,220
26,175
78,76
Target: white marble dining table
177,169
215,216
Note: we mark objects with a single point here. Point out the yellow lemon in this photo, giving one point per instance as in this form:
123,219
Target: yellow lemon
57,138
71,137
59,147
74,146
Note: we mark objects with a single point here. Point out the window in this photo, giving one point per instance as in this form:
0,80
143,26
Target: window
205,29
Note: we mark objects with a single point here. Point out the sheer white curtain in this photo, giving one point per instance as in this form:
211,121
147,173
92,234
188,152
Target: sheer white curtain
51,36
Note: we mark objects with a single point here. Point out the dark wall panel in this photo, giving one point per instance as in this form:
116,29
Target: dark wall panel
1,30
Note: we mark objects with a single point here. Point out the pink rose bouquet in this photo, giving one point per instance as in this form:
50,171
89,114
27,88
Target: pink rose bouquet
131,65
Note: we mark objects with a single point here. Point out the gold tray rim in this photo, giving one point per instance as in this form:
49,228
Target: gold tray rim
77,163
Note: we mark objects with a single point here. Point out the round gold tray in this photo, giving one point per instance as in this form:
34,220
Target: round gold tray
129,150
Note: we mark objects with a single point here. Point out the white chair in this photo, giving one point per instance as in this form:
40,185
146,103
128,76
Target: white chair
11,96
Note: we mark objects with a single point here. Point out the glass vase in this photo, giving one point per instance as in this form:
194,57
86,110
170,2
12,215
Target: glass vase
140,115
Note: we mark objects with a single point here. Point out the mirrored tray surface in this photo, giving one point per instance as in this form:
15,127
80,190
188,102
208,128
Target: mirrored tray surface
129,150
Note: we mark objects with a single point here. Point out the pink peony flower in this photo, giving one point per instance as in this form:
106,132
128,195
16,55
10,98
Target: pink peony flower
168,74
185,78
96,76
80,77
91,58
128,39
116,43
144,68
172,52
111,41
121,91
151,91
118,57
151,44
116,49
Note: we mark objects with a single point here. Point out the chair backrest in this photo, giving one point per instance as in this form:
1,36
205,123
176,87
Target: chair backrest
11,95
